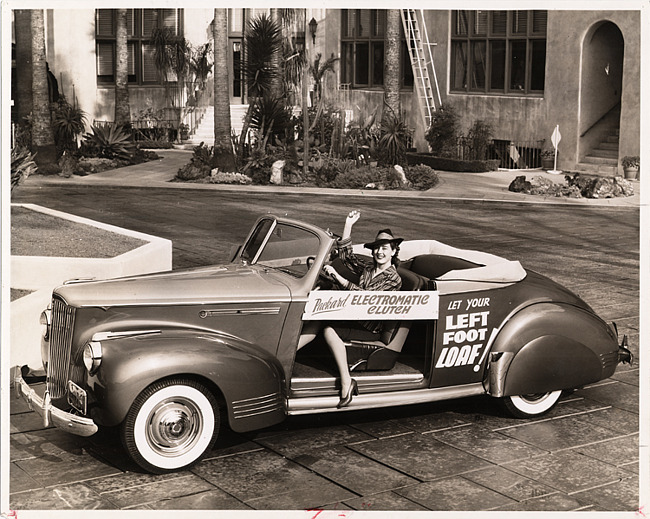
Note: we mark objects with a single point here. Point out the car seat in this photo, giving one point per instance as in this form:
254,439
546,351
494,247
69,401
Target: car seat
381,355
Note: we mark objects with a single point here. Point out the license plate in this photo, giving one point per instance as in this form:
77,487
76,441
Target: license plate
77,397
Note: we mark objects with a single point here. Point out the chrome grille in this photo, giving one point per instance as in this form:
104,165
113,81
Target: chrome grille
60,348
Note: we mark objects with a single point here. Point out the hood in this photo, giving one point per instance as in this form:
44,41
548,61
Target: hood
217,284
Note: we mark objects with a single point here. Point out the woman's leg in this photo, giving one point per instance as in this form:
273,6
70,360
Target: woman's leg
340,357
309,332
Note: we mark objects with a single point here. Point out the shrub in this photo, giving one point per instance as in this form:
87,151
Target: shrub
258,166
109,141
479,138
443,132
22,165
327,168
68,122
270,114
395,135
360,139
364,176
422,177
200,165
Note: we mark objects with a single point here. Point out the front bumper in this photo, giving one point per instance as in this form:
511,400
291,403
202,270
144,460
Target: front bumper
624,354
69,422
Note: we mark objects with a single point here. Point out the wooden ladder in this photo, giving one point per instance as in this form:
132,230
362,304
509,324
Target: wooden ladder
419,50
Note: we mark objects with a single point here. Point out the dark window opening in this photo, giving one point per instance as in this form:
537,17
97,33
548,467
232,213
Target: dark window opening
362,49
140,26
498,51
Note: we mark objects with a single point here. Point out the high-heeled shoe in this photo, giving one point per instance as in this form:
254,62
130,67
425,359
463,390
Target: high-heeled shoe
345,400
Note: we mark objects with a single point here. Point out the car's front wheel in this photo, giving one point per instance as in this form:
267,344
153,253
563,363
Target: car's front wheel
171,425
527,406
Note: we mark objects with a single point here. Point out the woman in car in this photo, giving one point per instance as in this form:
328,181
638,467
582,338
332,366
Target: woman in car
381,274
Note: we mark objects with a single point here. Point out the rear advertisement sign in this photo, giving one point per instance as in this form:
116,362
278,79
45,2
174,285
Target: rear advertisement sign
333,305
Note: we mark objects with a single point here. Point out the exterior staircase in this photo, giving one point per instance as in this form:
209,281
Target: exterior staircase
205,129
603,158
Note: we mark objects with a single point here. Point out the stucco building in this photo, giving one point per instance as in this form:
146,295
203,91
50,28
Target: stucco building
523,72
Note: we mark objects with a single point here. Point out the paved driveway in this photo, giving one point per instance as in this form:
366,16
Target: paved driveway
458,455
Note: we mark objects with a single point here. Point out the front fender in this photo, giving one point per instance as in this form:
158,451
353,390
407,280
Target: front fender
550,346
250,379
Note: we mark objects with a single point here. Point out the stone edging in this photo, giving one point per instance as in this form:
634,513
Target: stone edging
36,272
43,273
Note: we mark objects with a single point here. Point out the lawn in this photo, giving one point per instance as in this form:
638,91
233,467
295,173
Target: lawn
38,234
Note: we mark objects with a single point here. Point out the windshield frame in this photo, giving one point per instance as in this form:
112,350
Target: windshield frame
305,253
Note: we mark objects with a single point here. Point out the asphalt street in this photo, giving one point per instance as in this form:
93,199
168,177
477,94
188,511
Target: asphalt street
457,455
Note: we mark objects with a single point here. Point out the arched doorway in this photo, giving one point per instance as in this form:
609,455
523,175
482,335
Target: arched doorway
600,94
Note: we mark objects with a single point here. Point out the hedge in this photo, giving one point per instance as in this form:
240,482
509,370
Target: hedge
446,164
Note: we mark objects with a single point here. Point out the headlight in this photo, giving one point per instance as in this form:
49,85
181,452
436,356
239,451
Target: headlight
92,356
45,320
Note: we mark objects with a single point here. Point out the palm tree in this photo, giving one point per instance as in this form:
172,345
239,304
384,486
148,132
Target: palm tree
122,106
392,65
172,58
22,96
42,134
222,126
263,39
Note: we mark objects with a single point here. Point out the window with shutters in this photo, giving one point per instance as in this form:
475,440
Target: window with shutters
501,52
362,49
140,26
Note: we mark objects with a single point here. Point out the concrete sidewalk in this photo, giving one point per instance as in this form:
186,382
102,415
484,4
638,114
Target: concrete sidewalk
490,186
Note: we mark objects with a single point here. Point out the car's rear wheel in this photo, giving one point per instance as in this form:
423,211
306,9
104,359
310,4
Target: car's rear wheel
171,425
527,406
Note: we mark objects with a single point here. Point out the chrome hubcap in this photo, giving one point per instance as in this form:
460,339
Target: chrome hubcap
174,427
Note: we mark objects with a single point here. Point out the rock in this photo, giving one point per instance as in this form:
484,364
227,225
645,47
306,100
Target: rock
626,186
612,188
542,186
400,174
276,172
520,185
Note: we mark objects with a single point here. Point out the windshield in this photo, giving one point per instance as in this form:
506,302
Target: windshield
281,246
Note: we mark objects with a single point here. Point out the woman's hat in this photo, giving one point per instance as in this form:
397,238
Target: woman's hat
383,236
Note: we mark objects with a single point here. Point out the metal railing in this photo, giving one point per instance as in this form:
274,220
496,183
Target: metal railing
511,154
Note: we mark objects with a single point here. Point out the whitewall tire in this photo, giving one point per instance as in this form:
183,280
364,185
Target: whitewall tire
527,406
171,425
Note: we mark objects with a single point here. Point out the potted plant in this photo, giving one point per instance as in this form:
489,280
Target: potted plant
548,158
630,165
184,130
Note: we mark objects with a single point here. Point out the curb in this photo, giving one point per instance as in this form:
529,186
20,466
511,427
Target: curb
501,195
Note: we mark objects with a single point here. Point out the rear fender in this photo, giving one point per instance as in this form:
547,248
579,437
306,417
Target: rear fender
550,346
249,379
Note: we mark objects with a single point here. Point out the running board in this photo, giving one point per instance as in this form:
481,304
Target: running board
366,382
326,404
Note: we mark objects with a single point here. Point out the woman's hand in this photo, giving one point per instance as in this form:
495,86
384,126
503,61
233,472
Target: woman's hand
333,274
353,217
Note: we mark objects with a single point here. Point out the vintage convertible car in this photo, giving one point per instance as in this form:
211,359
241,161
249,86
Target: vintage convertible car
168,356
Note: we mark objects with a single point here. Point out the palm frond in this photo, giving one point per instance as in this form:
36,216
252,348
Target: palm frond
263,40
